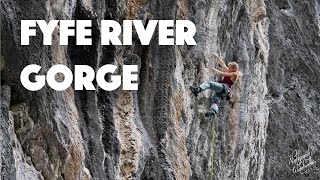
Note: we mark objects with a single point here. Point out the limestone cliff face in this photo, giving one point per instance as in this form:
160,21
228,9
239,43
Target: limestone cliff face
159,131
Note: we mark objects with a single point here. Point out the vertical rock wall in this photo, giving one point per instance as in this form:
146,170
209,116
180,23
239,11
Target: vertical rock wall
292,81
159,131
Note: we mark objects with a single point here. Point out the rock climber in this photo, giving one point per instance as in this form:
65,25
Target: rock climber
222,88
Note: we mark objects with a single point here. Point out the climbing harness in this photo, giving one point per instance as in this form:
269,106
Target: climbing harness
226,92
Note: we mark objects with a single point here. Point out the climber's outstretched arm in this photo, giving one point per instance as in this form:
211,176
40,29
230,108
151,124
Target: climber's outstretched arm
226,74
220,61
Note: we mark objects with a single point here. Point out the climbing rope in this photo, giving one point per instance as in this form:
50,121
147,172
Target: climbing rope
212,150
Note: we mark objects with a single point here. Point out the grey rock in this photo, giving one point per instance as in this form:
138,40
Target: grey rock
160,131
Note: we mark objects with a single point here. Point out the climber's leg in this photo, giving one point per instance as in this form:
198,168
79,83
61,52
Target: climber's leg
214,105
217,87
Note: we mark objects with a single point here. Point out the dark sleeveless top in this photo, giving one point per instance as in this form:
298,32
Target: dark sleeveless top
228,81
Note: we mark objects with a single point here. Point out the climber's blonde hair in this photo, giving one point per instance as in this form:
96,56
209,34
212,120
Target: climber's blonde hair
234,65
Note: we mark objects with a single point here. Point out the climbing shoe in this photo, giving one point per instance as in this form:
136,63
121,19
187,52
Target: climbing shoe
195,90
210,113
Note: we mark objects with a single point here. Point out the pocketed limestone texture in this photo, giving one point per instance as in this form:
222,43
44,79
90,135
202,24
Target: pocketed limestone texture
160,131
